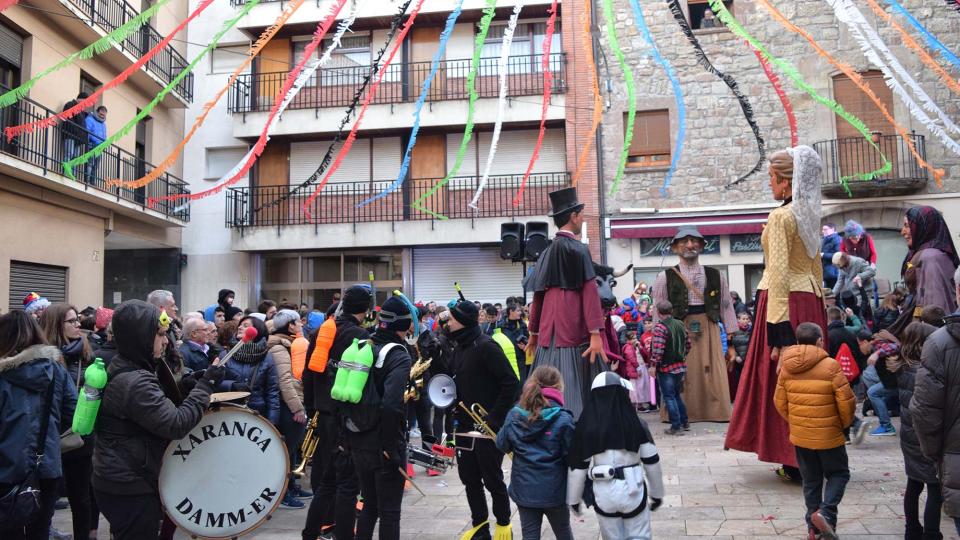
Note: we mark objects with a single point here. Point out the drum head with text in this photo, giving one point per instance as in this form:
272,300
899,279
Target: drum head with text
226,476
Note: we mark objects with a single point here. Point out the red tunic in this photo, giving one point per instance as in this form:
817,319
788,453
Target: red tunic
566,316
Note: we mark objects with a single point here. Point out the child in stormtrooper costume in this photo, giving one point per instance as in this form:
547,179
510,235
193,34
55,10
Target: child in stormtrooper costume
613,448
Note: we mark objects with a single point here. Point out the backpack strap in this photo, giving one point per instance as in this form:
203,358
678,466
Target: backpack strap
45,422
384,351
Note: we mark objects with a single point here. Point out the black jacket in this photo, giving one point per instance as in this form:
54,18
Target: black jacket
137,418
837,334
483,375
106,352
74,128
390,382
317,386
884,318
917,466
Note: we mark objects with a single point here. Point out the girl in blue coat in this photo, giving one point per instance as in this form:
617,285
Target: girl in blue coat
539,432
252,370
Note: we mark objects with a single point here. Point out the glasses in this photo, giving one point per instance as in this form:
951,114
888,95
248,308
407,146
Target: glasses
74,321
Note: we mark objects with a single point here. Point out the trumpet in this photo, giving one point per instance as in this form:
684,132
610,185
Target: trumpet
309,445
416,380
477,413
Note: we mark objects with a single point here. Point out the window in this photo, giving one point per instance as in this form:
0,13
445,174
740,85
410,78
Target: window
11,56
525,49
88,84
702,17
221,160
227,58
650,146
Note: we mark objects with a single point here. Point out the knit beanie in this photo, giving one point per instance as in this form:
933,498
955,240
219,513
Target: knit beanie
33,302
356,299
466,313
395,315
852,228
283,318
104,315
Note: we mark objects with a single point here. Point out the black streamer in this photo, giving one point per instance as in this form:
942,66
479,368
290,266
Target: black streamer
729,81
954,4
351,111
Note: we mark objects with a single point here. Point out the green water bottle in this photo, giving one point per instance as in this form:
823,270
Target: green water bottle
88,402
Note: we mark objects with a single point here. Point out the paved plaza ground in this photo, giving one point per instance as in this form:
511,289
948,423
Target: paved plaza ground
710,492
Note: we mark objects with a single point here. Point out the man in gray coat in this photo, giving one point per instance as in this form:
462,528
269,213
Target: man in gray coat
853,274
936,408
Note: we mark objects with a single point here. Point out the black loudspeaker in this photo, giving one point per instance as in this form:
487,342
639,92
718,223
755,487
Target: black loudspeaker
511,241
536,239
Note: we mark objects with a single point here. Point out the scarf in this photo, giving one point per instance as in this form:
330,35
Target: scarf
928,231
73,351
251,353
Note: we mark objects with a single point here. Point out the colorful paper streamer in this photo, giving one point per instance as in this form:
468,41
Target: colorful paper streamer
502,65
547,87
631,92
98,47
955,4
418,106
68,166
731,83
794,75
784,99
677,93
94,98
4,4
912,44
367,100
587,34
931,39
254,49
857,80
488,13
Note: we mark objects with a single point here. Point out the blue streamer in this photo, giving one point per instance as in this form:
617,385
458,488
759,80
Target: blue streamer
931,40
677,93
424,90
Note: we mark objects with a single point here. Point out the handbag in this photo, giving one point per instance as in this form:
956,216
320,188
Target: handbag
847,363
20,505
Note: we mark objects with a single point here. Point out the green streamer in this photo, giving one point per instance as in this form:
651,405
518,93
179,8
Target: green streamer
790,71
631,92
98,47
488,13
68,166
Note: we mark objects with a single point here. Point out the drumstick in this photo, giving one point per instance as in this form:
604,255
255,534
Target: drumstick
406,476
248,335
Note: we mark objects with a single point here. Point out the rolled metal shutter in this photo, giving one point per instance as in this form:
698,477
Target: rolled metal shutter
11,46
482,274
48,281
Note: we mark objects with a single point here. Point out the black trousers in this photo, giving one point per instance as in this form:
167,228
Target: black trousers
40,528
292,436
335,486
131,517
930,529
77,471
478,469
382,488
443,422
825,476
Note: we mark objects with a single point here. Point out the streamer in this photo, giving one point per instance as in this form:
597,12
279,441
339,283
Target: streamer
251,53
778,88
955,4
594,87
731,84
790,71
418,106
4,4
94,98
488,14
870,43
547,87
68,166
931,40
856,79
677,93
631,92
501,98
366,101
98,47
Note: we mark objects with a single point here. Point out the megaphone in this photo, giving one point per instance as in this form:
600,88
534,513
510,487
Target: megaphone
442,391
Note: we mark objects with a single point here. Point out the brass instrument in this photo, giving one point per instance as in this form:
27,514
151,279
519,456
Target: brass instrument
309,445
416,380
477,412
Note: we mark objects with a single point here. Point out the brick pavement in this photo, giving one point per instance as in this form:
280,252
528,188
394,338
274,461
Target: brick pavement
710,492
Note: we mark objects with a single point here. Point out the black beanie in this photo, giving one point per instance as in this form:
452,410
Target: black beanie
395,315
466,313
356,299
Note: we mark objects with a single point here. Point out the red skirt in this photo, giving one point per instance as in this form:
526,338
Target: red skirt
755,425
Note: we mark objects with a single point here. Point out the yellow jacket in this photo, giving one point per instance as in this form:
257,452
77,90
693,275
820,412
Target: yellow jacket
788,267
813,395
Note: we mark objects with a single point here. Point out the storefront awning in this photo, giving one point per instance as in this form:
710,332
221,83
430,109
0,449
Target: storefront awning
666,226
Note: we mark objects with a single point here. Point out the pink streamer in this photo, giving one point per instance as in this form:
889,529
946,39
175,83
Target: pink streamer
778,88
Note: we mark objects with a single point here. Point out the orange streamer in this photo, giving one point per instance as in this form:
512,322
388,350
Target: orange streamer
597,98
252,52
857,80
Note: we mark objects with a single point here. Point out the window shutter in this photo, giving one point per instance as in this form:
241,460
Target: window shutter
48,281
482,274
305,158
651,133
221,160
859,105
11,46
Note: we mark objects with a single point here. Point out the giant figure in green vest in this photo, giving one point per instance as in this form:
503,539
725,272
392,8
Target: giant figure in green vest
701,299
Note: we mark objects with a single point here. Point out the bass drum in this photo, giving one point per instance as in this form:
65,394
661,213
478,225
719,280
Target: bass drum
226,476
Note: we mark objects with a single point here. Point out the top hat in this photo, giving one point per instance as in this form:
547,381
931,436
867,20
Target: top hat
563,201
686,231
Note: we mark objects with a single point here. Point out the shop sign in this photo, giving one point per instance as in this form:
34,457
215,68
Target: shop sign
660,247
745,243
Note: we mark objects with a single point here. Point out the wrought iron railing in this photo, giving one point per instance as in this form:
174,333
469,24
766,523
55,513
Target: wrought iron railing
848,156
47,148
259,206
167,64
335,87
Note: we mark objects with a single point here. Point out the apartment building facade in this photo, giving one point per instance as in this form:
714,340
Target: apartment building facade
79,240
276,252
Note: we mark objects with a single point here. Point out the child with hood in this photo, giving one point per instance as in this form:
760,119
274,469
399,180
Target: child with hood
539,431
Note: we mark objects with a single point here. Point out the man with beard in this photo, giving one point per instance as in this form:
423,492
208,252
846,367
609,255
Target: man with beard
701,299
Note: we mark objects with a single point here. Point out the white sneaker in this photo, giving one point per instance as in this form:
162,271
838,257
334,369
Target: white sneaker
415,432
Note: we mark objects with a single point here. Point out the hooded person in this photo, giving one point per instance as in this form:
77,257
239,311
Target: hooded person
136,421
614,449
225,301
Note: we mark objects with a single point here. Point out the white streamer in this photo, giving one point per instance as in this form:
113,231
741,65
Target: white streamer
502,99
870,43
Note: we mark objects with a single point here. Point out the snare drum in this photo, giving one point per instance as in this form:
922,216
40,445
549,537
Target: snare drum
226,476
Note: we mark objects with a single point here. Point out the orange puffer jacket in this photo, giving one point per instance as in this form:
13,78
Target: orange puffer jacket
814,397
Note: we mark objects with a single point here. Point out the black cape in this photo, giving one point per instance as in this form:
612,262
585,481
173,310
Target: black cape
565,263
608,422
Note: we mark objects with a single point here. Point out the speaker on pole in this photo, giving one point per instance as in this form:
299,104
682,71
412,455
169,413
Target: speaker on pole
536,239
511,241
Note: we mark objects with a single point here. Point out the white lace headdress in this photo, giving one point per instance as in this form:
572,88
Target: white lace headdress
806,207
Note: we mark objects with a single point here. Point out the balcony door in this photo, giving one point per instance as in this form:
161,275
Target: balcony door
428,164
424,44
273,180
11,56
854,154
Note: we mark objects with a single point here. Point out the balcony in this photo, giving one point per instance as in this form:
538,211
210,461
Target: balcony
43,152
335,87
251,207
843,157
